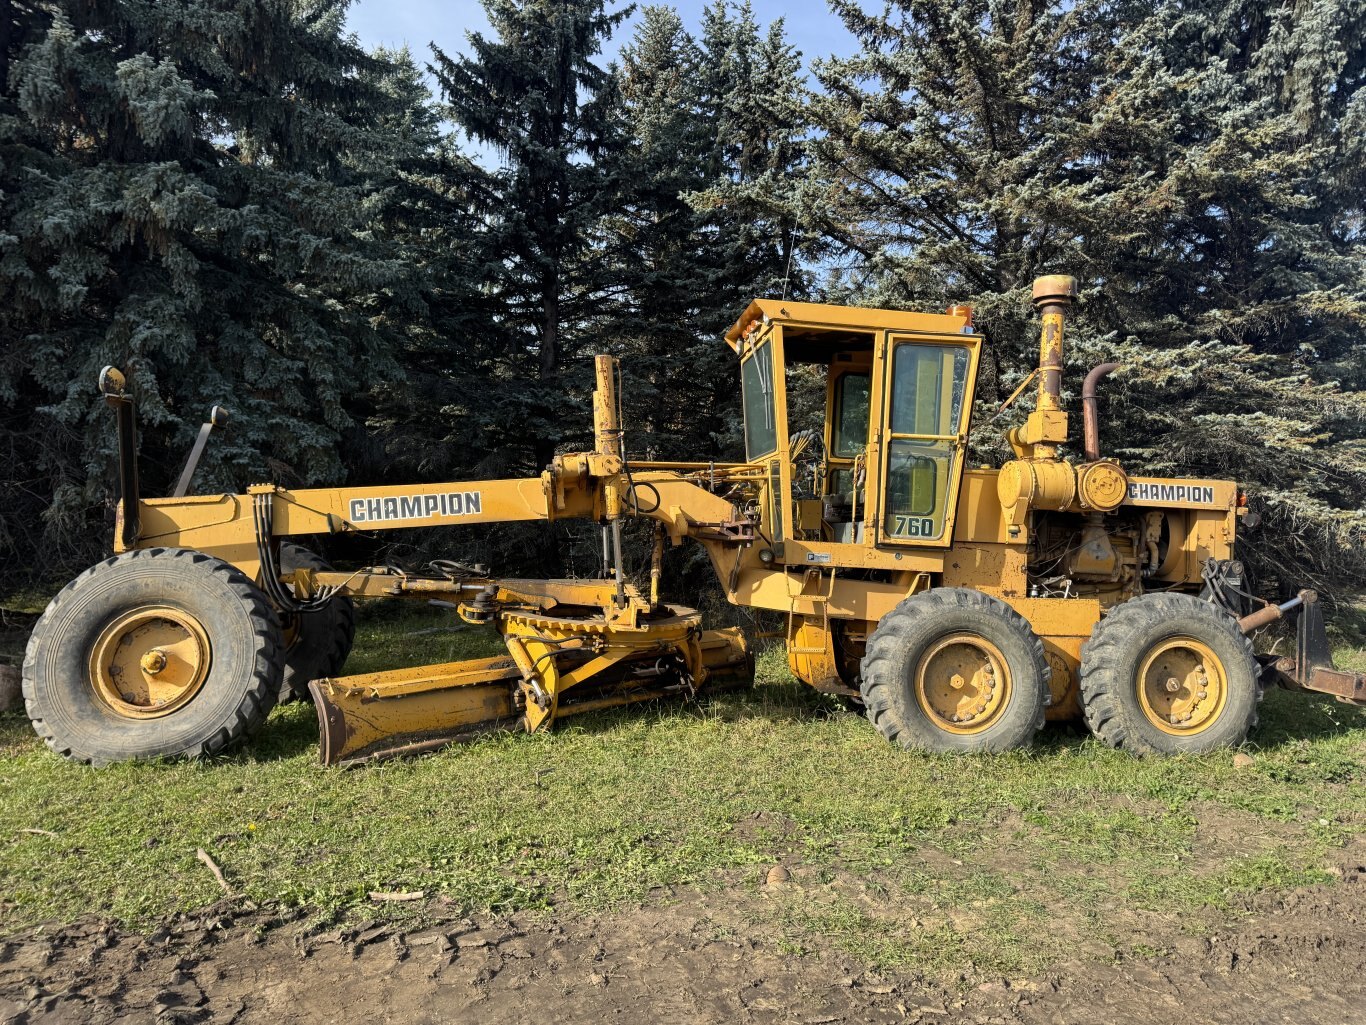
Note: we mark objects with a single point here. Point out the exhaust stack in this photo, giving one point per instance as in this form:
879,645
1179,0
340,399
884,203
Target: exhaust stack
1046,428
1052,295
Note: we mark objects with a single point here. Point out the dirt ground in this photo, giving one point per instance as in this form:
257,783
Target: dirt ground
685,958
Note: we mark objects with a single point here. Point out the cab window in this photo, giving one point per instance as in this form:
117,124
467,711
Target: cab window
928,390
851,416
756,383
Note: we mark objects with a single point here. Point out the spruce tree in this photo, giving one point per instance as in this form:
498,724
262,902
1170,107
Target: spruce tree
186,192
656,244
534,94
707,222
1197,166
754,101
1225,215
416,424
946,150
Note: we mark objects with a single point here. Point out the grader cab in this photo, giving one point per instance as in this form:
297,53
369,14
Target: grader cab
959,606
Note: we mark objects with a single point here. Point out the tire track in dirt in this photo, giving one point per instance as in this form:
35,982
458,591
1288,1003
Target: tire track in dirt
1298,957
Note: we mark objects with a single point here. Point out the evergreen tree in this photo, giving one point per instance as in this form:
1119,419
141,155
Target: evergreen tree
701,229
1198,166
658,248
415,427
186,188
533,93
1226,219
706,226
947,150
753,97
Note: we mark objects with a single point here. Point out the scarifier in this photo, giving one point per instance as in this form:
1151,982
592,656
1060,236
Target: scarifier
961,607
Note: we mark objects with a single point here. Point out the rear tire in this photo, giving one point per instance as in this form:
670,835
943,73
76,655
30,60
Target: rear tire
955,670
156,652
316,643
1169,674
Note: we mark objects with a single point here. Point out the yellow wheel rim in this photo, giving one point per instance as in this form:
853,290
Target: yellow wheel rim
148,662
1182,686
963,683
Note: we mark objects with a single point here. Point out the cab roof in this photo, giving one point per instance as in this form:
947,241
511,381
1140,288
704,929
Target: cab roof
843,318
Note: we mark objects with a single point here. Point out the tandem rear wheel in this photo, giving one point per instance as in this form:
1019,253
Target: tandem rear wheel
1169,674
155,652
955,670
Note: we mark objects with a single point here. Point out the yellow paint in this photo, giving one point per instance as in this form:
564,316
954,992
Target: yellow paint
1182,686
149,662
838,560
963,683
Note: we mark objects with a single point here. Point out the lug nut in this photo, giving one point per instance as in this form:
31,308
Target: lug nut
1172,685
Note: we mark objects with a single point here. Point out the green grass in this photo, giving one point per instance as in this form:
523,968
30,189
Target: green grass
997,864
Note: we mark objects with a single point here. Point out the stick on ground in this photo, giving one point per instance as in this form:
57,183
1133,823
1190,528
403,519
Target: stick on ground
382,895
203,856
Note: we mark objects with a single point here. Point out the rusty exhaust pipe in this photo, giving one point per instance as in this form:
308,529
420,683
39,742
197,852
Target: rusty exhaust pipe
1091,421
1052,295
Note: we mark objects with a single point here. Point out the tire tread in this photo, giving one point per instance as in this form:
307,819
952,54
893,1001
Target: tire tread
890,637
1105,677
257,700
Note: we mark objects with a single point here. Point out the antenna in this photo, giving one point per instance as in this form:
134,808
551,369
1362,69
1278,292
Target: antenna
791,252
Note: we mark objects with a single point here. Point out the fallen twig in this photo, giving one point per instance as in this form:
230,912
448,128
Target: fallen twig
397,897
40,832
203,856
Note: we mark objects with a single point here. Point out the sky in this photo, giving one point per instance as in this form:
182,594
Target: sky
811,28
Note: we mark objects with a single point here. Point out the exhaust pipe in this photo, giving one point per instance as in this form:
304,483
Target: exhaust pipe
1091,421
1052,295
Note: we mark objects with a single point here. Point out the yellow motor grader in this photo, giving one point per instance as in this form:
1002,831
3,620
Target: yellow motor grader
960,606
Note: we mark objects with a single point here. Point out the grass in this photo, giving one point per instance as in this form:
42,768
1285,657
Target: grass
948,864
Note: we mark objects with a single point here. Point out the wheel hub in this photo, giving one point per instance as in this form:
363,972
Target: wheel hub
962,683
1182,688
150,661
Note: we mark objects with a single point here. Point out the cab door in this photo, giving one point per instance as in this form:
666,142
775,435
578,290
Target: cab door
927,390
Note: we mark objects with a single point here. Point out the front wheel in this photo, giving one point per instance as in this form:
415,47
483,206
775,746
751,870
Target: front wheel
1169,674
155,652
954,670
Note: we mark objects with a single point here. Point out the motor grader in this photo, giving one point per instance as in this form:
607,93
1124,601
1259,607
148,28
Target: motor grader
960,606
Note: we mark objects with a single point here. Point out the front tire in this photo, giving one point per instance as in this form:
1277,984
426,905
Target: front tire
155,652
1169,674
955,670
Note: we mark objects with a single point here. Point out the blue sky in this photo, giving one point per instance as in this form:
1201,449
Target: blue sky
811,27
